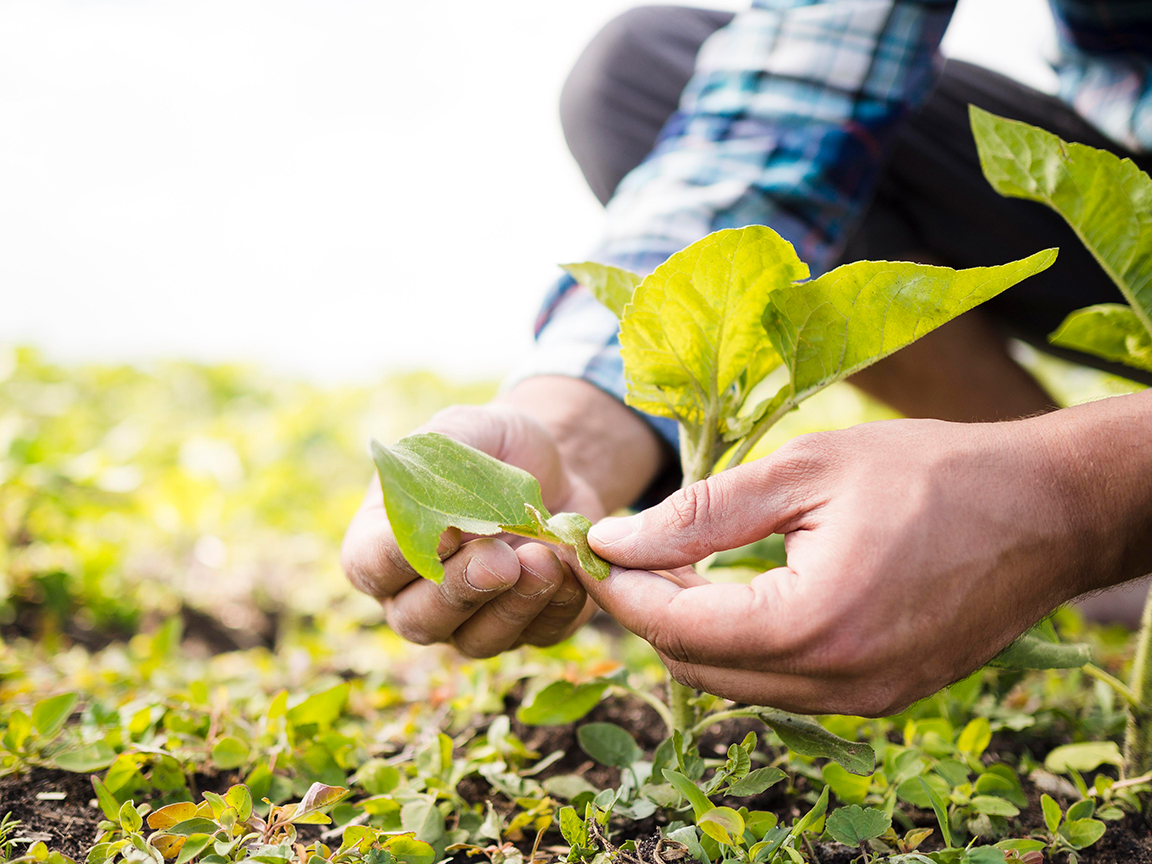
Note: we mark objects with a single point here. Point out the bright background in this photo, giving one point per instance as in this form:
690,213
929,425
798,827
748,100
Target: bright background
330,189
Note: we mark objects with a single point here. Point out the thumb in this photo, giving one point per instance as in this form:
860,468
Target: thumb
727,510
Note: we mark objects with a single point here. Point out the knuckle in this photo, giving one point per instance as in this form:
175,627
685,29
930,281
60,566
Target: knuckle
409,628
686,674
474,650
462,601
669,642
689,507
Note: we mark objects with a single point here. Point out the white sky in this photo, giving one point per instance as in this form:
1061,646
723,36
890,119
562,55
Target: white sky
333,188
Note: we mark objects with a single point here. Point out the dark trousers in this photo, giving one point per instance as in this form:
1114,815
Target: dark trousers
932,202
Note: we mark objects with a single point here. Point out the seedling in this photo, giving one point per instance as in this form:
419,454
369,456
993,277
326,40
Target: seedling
1107,201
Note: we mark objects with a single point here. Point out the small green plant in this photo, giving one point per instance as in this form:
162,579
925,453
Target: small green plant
1107,201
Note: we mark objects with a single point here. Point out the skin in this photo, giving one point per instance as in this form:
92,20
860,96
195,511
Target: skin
916,548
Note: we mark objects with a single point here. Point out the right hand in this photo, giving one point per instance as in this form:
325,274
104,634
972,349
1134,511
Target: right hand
497,592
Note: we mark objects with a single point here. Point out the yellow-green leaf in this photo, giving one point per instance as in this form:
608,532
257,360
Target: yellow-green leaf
1108,330
693,329
1106,200
432,482
612,286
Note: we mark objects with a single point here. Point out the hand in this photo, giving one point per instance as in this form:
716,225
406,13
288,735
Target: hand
917,550
497,592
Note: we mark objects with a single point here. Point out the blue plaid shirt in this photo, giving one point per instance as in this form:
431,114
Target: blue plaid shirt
786,122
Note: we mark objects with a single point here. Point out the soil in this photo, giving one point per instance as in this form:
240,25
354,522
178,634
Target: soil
69,824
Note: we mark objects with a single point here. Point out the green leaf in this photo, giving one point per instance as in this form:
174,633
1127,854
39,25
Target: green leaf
1032,652
609,744
1083,757
994,806
812,818
240,800
19,728
432,482
85,760
195,825
611,286
847,319
984,855
693,330
1105,199
1052,812
690,791
321,709
941,811
192,847
1108,330
808,738
975,738
572,827
854,825
409,850
129,818
319,795
755,782
49,715
109,806
849,788
1082,833
722,824
229,753
1082,810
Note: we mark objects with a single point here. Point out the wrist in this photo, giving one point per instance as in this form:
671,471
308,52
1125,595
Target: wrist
600,440
1099,465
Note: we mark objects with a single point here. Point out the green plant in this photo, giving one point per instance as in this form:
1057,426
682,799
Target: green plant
1107,201
726,337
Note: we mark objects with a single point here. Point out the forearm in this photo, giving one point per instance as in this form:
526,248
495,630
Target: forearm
1103,457
601,440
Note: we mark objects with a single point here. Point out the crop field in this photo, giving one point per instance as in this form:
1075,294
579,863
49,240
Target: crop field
185,674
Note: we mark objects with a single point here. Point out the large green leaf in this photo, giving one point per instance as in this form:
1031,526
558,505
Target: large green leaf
1105,199
1032,652
432,482
1109,330
612,286
850,317
808,738
693,331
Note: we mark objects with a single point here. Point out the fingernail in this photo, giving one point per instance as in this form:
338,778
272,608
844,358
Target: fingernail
567,597
479,576
613,530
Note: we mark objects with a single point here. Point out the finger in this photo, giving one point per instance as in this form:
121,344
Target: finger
766,625
801,694
500,623
424,612
727,510
567,610
369,555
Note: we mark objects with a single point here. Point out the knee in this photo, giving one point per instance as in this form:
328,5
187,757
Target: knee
604,64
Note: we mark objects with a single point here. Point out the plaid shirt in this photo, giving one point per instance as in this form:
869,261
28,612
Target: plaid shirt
786,123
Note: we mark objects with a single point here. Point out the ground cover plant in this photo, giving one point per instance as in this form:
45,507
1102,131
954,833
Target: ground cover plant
185,676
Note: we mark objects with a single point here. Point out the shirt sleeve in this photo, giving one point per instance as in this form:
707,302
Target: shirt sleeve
786,122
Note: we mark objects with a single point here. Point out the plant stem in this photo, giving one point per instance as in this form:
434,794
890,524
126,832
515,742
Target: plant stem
1138,737
698,448
720,717
763,425
657,706
1122,689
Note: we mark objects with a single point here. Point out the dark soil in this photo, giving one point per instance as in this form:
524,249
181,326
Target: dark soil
68,825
